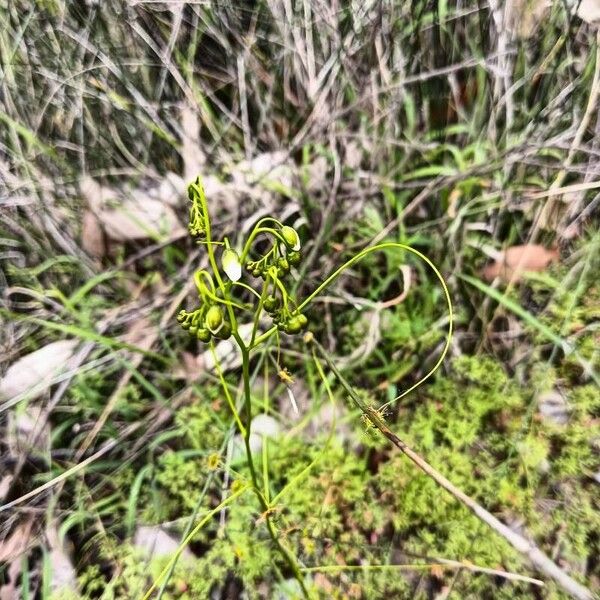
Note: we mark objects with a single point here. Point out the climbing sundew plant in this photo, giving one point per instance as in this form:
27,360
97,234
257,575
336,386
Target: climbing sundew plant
246,295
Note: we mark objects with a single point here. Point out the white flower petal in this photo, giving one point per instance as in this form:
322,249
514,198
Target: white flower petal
231,265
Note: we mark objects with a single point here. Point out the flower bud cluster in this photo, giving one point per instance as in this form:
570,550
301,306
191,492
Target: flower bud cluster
282,264
197,223
290,322
206,322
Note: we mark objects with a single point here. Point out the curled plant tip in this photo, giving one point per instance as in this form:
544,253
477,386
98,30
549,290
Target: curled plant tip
197,224
231,264
291,237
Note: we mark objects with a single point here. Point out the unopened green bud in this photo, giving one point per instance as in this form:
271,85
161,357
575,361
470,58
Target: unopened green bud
224,332
291,238
294,325
203,335
271,303
283,263
214,319
294,258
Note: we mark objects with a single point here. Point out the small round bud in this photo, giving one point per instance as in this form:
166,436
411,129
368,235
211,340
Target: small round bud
302,319
181,316
283,264
271,303
214,318
294,258
203,335
291,238
186,324
294,325
225,331
193,330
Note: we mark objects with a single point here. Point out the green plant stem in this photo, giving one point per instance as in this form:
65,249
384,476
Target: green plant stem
190,536
286,555
356,258
255,232
211,256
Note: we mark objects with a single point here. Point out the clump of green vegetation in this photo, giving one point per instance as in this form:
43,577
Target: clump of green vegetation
469,424
349,517
414,124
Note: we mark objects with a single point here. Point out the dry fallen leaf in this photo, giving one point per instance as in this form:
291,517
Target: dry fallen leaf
155,542
5,484
92,237
170,190
353,155
553,407
13,545
137,216
27,430
269,167
140,333
12,588
315,174
516,260
525,16
138,219
188,368
63,577
34,372
191,153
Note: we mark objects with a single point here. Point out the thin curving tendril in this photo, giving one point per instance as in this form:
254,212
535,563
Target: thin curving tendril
396,245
